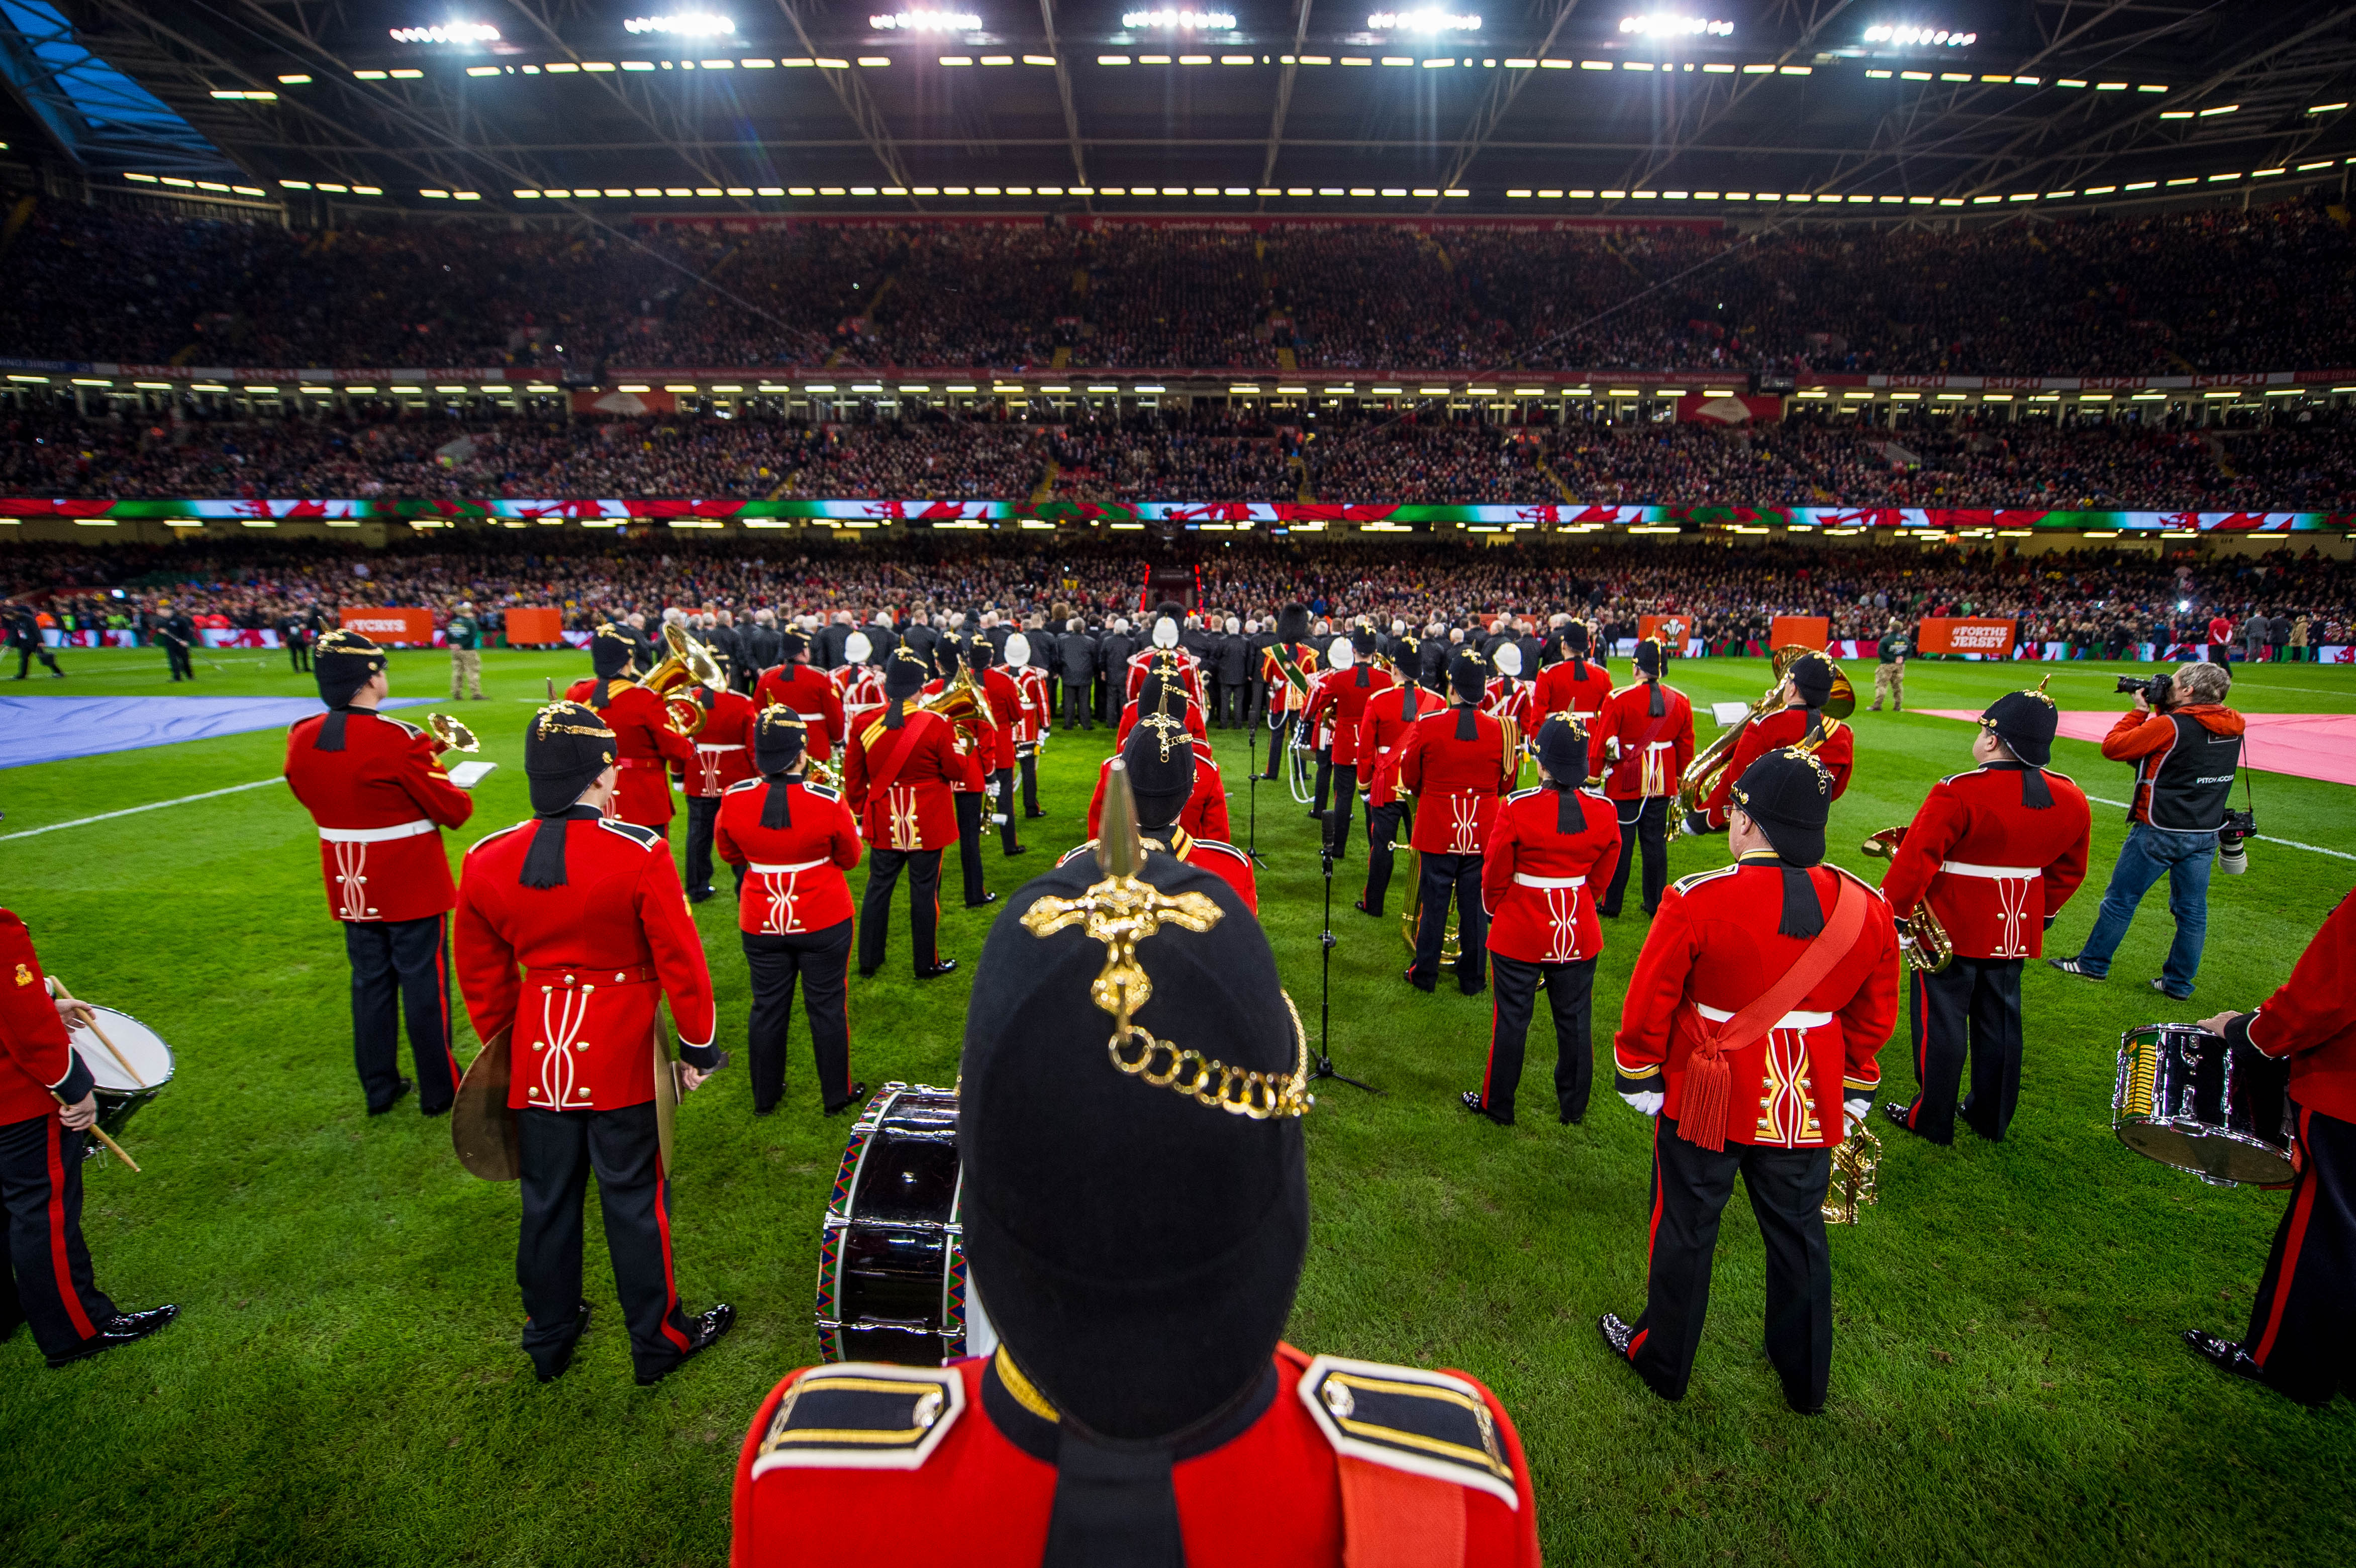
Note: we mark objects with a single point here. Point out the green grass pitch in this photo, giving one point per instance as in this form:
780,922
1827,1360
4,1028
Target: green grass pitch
344,1386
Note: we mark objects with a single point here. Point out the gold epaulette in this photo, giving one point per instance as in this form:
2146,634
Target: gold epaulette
1426,1423
862,1415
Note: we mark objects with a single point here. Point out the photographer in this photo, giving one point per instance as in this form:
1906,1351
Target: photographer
2186,745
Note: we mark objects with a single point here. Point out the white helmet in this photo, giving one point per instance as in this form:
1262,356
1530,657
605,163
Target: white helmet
1017,653
856,648
1165,633
1509,659
1341,655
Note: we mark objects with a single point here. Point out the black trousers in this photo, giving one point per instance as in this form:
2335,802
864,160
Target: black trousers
1231,704
1643,824
1324,778
702,811
1028,763
48,1280
1115,697
1256,704
1278,740
821,963
968,821
1211,707
28,651
884,865
559,1150
1345,800
300,652
1571,995
1002,793
2303,1323
1447,876
1382,830
1978,998
1077,712
1691,1186
401,967
182,668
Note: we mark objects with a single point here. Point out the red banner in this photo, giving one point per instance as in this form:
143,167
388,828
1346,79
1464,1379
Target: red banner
624,402
1673,630
391,626
1989,639
535,628
1808,631
1729,408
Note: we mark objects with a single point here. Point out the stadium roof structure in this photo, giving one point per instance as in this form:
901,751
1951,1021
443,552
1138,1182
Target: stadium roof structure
1552,108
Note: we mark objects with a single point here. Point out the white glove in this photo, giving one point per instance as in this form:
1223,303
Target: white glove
1858,1110
1645,1101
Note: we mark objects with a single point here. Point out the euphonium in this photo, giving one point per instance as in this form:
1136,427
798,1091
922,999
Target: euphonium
961,702
687,664
1931,949
1703,772
454,735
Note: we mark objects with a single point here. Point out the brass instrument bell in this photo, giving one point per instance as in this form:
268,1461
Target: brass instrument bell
452,734
1931,949
689,663
1701,776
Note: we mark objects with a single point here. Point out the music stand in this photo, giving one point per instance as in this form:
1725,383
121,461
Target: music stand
1324,1067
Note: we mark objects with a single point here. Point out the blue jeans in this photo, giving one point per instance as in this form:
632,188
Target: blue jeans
2149,854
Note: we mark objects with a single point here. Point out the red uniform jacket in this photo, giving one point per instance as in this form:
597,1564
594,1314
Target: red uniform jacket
2312,1019
1653,751
899,781
2145,740
1536,880
793,880
1036,714
1382,732
805,689
1010,708
1341,701
1712,951
1195,725
1278,665
1994,871
984,1499
1785,727
1206,813
859,688
380,804
1561,692
577,969
977,741
39,1068
1513,701
1190,673
1456,783
723,747
1221,859
647,748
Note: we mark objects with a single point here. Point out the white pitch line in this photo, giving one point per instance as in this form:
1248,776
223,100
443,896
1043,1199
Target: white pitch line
135,810
2287,844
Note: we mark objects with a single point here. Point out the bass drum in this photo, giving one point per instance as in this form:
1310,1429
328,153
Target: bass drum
126,1081
891,1278
2193,1100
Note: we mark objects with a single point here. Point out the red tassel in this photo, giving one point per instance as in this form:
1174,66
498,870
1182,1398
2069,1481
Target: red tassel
1709,1087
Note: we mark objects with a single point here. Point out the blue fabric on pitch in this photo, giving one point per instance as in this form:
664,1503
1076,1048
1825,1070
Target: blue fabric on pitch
53,729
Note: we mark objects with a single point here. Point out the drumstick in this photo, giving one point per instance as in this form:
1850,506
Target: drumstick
100,1133
91,1023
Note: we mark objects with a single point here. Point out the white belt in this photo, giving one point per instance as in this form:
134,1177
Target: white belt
798,866
1966,868
1523,879
376,836
806,718
701,746
1788,1021
1658,745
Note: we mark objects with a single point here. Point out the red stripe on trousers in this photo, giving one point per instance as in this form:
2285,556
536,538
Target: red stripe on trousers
1489,1072
1652,1231
662,1226
442,990
2299,1211
71,1297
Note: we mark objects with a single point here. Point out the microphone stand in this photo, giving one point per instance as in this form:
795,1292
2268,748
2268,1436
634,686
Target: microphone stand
1324,1067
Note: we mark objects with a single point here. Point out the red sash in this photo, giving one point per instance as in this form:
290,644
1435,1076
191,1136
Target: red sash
1709,1079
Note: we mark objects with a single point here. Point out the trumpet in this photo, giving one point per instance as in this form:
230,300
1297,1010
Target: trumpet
1856,1158
689,663
1703,772
452,734
1929,948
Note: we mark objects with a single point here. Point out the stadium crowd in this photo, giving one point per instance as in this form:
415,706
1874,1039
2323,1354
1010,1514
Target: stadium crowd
2270,288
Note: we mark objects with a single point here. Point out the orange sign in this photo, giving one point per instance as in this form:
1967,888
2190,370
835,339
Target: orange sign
415,628
1673,630
1808,631
1989,639
535,628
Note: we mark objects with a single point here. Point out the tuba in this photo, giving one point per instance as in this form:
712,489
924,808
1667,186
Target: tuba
1928,947
1708,765
960,701
688,663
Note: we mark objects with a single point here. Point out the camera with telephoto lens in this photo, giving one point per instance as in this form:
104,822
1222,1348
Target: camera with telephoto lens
2233,842
2153,688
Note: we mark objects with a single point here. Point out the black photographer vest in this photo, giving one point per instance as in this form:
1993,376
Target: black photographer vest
2193,777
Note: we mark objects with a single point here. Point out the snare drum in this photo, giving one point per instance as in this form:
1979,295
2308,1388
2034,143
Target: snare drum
119,1095
2190,1100
891,1278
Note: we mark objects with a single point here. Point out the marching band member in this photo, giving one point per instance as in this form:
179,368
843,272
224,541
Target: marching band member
1509,697
1799,720
1010,709
2297,1342
858,685
47,1100
1288,668
897,776
791,841
977,747
1456,766
572,927
1340,701
1164,641
1640,743
380,802
1577,683
1164,766
1545,849
1162,691
1382,732
1038,718
1995,853
803,690
722,761
1205,812
647,747
1141,1407
1764,992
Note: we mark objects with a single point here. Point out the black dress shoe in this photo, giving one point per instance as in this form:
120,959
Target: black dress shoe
1617,1334
399,1095
1425,986
866,974
126,1328
936,971
2226,1355
708,1330
1018,849
1472,1101
698,895
984,902
1033,816
440,1110
560,1359
1566,1117
1360,905
858,1096
1897,1114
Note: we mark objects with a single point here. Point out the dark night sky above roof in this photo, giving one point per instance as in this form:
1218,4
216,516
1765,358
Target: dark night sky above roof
1831,112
